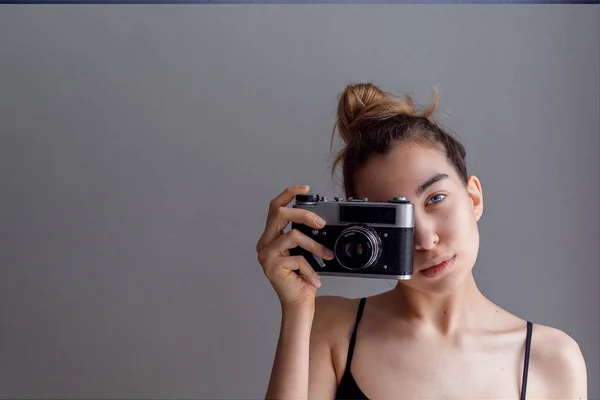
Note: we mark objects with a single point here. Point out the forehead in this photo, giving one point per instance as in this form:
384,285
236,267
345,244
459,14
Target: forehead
400,172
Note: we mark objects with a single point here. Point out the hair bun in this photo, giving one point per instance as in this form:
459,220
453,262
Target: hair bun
361,102
353,102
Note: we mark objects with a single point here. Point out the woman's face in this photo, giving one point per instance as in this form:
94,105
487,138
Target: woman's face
446,213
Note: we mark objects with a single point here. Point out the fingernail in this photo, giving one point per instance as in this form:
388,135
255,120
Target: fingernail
328,253
318,281
320,221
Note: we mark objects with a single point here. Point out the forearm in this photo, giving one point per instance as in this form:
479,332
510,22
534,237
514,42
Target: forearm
289,376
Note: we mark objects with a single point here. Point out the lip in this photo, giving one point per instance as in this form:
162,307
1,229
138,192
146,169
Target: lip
439,268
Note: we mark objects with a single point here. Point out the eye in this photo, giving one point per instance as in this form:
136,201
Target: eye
438,198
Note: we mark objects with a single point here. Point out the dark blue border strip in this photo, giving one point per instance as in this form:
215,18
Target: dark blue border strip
303,2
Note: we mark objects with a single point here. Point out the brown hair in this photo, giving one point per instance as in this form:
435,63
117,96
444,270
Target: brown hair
371,122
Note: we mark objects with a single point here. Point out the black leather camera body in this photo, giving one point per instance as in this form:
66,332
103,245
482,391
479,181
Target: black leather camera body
368,239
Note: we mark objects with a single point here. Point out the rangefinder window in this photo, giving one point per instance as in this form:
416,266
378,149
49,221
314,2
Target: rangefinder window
362,215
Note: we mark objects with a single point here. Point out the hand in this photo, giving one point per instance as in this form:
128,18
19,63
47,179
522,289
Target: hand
273,250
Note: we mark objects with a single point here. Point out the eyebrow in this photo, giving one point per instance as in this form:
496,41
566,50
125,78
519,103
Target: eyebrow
423,187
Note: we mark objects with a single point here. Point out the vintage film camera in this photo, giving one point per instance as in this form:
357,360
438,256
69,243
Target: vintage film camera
369,239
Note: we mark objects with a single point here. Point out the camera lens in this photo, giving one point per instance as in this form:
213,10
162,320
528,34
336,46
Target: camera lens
357,247
354,249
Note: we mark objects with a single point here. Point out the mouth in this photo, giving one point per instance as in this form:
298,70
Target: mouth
439,268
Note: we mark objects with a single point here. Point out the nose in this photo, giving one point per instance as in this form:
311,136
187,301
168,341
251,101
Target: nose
426,237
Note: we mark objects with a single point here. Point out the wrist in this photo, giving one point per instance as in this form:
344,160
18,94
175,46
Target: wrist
303,308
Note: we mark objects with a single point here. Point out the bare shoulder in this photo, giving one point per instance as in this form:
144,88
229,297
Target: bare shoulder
331,305
332,320
557,363
332,327
334,314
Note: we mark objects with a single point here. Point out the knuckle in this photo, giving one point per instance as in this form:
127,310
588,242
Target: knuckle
261,257
279,211
294,234
273,204
259,244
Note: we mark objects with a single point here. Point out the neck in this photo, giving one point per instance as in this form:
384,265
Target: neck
443,313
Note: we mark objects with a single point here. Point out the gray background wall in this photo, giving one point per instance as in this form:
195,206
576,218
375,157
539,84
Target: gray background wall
140,146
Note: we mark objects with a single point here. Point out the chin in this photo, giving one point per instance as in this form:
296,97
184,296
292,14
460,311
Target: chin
443,286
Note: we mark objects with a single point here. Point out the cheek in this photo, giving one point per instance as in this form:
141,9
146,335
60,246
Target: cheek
457,223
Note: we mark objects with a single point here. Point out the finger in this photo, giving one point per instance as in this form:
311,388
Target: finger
280,248
296,265
285,197
284,215
299,216
276,206
295,238
307,272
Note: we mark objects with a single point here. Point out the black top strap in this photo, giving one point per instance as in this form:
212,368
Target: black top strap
526,362
361,307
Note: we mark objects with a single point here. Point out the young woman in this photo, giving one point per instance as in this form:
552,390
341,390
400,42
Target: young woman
435,336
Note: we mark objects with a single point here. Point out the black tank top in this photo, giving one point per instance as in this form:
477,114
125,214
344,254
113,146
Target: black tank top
349,389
